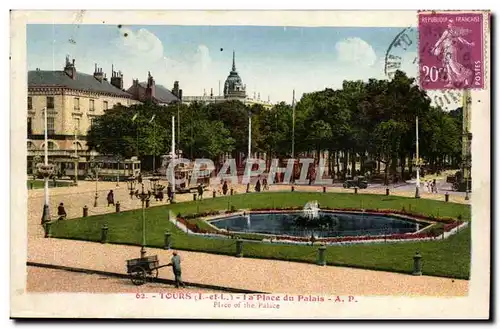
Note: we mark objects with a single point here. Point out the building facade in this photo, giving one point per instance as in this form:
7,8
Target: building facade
73,100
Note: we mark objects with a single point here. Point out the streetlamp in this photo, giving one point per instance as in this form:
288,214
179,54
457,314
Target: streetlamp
118,158
95,167
76,157
249,148
46,170
131,186
153,182
172,173
143,196
467,176
417,187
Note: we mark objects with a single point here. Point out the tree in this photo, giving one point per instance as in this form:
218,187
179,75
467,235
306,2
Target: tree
210,139
275,130
388,136
115,132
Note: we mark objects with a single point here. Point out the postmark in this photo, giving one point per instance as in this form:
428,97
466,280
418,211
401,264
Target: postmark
402,54
451,50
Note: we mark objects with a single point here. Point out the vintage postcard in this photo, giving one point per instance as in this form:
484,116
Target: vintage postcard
250,164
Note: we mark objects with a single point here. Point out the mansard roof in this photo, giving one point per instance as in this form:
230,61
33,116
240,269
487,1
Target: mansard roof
82,81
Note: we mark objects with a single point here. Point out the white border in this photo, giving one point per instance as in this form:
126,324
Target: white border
480,154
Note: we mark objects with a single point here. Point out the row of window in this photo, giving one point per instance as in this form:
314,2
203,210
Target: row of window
50,145
51,125
50,103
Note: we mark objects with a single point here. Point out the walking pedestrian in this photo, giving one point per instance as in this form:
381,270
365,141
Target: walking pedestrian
224,188
426,186
200,191
434,185
257,186
264,184
170,193
111,198
175,262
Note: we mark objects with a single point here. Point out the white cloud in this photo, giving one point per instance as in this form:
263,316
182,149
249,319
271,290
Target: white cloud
202,57
355,51
142,51
142,44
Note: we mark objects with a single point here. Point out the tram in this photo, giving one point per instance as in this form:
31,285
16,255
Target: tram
109,168
184,172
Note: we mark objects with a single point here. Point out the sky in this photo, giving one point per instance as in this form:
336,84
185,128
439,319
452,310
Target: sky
271,61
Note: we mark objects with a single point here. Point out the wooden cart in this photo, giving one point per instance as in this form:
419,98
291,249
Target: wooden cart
142,269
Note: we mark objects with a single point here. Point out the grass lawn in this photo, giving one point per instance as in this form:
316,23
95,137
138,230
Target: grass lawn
36,184
448,258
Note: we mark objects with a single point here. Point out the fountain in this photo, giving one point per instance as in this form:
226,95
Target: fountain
311,210
247,216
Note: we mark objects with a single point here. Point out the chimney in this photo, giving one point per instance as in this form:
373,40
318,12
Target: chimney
116,78
211,92
180,95
135,82
150,89
175,90
98,75
70,69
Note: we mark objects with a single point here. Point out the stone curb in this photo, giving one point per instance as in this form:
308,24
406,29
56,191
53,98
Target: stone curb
157,280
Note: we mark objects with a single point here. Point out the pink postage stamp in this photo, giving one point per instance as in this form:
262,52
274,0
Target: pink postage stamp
451,50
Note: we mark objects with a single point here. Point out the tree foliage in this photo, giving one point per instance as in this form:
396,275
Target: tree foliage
371,122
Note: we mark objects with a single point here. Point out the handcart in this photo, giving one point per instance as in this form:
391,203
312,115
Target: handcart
142,269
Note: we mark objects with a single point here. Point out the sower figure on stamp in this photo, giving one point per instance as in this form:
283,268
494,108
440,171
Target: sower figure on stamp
175,262
111,198
447,46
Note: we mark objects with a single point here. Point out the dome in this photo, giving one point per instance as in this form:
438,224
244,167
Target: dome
233,87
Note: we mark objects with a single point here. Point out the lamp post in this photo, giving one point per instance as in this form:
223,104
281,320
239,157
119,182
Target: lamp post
46,170
249,148
467,176
172,174
76,157
417,187
143,196
131,186
118,173
154,185
95,167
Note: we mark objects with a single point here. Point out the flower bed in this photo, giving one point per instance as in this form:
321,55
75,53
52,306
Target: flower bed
449,227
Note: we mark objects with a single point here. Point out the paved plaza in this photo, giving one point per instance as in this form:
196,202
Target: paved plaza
225,271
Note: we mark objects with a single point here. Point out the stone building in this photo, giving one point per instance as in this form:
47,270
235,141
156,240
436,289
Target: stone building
73,99
234,89
149,90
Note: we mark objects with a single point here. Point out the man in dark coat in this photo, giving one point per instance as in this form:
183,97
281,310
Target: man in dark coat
175,262
111,198
61,212
200,191
169,192
224,188
257,186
